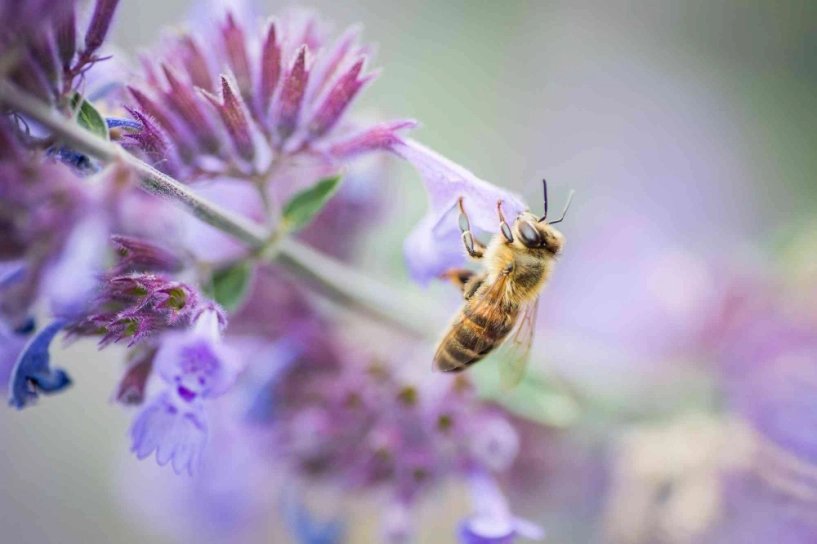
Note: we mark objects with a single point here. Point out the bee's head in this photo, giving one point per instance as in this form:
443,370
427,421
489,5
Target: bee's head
534,233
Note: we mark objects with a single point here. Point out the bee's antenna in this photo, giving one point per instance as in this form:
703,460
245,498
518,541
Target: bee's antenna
564,213
545,187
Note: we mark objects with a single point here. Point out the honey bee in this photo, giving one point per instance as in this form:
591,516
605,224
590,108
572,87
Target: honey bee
501,301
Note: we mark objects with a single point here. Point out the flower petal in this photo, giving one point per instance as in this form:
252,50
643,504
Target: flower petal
195,362
430,248
32,374
176,431
492,522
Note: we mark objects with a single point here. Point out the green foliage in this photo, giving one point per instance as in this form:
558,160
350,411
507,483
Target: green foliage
304,206
231,285
88,117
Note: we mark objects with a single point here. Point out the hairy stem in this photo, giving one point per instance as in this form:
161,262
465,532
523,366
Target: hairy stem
407,312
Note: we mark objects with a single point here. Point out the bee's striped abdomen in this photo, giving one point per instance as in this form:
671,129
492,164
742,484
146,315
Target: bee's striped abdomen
474,336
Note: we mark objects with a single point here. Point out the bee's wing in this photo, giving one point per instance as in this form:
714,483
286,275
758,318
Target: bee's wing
515,351
489,306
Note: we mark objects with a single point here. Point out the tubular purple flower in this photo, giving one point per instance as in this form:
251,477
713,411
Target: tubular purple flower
98,27
32,373
235,121
379,137
344,49
434,245
152,141
195,366
196,362
195,64
173,428
190,112
270,70
492,521
44,53
65,31
178,133
292,93
234,46
338,99
12,342
139,255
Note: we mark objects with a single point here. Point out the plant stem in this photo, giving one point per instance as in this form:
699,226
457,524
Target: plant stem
418,314
345,283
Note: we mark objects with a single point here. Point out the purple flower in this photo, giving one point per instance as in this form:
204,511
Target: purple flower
12,342
435,245
32,374
255,101
195,366
52,65
174,428
370,427
136,306
492,521
140,255
98,27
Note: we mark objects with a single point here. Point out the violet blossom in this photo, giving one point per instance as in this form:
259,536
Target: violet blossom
32,373
492,522
435,244
195,366
265,100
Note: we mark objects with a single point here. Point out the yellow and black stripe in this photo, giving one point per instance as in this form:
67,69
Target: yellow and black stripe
475,334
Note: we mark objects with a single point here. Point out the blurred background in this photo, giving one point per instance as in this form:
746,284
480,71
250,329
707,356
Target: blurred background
688,131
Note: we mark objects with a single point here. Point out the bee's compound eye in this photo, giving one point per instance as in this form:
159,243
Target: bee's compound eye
529,234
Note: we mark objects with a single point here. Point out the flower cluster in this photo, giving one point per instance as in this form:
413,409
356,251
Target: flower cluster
367,426
258,121
264,100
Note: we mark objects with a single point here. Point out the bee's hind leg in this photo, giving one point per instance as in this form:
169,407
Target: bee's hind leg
473,246
467,280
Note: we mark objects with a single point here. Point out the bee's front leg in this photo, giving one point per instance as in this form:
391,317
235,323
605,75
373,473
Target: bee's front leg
473,246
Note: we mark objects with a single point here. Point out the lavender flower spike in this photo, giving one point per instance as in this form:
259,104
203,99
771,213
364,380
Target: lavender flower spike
492,522
434,245
195,366
32,374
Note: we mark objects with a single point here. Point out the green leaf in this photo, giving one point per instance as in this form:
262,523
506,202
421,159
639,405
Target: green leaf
304,206
231,285
88,117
